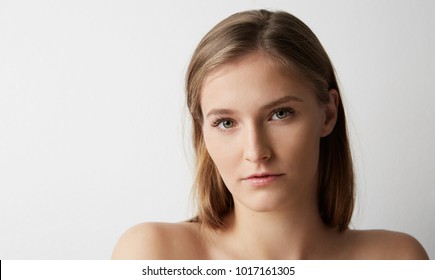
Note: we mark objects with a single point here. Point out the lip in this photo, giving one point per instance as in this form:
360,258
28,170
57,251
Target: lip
262,179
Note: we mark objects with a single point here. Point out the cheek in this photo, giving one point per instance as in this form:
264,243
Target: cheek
298,146
222,152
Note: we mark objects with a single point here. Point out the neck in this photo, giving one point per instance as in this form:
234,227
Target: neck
291,233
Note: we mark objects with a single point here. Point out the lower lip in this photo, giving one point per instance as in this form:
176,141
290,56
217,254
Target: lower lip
262,181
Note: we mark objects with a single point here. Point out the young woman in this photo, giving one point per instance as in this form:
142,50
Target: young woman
274,174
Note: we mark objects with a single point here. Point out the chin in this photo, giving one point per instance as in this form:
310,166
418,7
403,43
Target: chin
264,204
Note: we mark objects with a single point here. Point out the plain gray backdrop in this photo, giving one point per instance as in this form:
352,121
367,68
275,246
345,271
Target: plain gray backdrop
94,135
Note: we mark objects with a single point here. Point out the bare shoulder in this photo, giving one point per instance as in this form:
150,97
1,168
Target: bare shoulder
383,244
160,241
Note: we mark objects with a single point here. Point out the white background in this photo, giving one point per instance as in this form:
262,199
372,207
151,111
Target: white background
94,137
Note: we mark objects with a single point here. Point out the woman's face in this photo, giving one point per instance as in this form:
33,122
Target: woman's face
262,129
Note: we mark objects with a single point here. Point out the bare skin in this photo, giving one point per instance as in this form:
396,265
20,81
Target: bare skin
188,241
259,120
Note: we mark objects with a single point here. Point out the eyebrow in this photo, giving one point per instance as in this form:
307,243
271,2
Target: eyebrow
270,105
282,100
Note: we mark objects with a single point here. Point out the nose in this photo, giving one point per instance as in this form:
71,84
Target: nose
256,148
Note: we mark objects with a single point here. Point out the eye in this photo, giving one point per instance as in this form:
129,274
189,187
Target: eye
223,124
282,113
226,124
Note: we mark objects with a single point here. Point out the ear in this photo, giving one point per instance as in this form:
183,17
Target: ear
330,111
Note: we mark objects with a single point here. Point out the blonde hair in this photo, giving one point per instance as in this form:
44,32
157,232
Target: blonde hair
294,47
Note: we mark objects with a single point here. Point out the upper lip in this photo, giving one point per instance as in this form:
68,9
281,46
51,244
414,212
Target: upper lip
262,174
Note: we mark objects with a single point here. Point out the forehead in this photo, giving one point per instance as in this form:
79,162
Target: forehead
258,60
253,79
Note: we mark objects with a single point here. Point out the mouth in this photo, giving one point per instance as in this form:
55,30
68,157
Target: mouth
262,179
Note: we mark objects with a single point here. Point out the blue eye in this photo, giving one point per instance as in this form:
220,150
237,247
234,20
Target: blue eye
282,113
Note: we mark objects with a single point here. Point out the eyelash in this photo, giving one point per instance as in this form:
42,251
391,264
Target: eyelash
290,112
220,120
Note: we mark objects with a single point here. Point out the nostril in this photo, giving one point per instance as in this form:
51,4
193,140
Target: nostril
266,156
259,155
